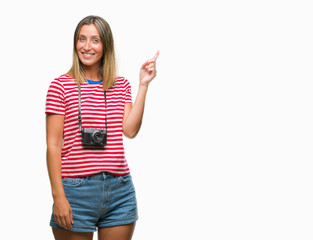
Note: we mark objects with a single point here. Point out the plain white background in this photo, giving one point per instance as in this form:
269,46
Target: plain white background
225,149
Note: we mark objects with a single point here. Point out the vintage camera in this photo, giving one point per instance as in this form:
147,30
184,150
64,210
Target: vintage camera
94,137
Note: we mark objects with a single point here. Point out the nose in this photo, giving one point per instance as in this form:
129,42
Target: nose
87,46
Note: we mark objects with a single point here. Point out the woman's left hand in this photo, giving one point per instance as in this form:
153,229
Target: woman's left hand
148,70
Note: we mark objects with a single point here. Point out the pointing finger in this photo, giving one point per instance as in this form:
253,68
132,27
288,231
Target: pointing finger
156,55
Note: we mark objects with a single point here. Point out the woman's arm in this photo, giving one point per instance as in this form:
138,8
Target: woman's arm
133,113
61,208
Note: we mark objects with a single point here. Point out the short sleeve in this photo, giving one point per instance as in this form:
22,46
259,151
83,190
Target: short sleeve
128,95
55,98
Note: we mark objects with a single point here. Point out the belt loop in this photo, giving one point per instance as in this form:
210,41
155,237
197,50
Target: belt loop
104,175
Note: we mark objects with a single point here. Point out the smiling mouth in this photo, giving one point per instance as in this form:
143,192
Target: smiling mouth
87,54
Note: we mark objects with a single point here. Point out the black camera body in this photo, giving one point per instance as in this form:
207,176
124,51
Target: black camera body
94,137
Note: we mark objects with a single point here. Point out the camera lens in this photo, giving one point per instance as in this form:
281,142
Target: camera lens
98,137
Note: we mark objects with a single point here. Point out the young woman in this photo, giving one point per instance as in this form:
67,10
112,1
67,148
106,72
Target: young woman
87,112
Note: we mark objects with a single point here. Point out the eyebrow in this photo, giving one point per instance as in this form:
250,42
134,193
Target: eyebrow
93,36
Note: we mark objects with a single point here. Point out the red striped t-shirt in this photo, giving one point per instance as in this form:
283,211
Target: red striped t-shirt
79,160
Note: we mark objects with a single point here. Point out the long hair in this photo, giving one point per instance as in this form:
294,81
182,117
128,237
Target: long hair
107,69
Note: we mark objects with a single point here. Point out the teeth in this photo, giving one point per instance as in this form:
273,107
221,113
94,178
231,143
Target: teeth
87,54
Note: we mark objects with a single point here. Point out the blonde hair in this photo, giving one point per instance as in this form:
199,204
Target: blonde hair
107,69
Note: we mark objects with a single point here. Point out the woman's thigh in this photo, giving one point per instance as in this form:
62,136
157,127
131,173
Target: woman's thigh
124,232
60,234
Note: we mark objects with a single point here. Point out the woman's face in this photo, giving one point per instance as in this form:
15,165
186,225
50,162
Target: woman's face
89,46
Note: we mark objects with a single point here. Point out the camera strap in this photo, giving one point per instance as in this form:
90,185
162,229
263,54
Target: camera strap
79,110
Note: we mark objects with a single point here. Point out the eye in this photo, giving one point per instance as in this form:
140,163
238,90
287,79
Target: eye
81,39
96,41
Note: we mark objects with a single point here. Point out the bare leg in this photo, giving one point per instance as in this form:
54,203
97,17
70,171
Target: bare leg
124,232
60,234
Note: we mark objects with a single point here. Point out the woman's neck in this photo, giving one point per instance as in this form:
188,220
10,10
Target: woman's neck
92,73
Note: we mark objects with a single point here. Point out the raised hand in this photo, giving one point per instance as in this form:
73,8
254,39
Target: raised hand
148,70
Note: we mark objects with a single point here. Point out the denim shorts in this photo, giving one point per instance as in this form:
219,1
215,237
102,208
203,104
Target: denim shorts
102,200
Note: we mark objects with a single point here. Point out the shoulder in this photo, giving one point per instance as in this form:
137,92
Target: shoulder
62,81
121,82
